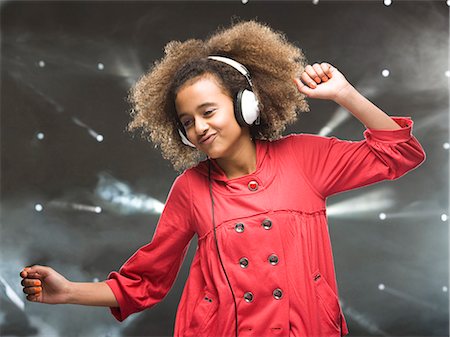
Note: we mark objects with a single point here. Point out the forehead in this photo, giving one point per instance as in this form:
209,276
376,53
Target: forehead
204,80
198,90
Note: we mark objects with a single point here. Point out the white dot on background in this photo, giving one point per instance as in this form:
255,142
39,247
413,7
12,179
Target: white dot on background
381,286
446,146
315,2
444,217
447,73
387,2
95,279
385,73
40,135
382,216
98,209
444,289
41,64
99,138
244,1
38,207
100,66
448,2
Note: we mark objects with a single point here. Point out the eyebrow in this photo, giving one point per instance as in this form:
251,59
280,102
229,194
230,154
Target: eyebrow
197,108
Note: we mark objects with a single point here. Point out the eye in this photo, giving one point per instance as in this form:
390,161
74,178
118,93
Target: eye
209,112
186,123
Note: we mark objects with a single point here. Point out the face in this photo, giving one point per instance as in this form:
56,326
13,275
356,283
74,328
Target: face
206,112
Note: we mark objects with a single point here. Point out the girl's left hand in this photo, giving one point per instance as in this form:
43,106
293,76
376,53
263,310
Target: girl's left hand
322,81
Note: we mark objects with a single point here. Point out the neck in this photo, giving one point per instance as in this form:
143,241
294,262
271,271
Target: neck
242,162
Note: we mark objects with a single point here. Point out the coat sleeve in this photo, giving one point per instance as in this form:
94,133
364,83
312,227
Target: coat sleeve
333,165
147,276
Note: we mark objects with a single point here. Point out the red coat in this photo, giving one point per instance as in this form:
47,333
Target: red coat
273,241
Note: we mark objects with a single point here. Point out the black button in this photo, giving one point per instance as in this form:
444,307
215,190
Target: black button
239,227
277,293
267,224
273,259
248,296
243,262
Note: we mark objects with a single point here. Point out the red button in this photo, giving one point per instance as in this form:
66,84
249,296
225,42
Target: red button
252,185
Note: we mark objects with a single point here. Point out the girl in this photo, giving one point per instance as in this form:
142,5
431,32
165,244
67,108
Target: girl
264,265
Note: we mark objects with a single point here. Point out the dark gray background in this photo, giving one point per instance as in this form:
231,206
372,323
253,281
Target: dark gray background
69,96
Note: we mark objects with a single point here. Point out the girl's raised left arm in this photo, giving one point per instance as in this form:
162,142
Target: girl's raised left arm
323,81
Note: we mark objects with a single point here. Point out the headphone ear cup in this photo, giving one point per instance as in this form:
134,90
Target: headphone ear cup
184,138
238,109
246,108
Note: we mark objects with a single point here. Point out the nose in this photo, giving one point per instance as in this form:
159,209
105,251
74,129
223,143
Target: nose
201,126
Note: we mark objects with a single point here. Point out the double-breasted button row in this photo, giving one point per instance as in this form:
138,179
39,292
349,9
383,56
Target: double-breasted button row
266,224
277,294
273,260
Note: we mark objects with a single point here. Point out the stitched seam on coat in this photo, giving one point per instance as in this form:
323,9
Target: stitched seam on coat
220,225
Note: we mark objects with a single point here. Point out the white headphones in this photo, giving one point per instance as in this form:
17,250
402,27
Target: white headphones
246,108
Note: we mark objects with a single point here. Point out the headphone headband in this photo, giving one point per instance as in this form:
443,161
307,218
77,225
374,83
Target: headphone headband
235,64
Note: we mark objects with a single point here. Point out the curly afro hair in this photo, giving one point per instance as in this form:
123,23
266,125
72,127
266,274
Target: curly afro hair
271,60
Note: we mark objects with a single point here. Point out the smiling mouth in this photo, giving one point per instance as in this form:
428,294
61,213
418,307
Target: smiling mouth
208,139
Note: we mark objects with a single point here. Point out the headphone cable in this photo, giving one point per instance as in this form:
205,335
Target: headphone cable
217,245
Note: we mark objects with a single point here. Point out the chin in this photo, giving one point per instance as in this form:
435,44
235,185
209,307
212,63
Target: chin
214,153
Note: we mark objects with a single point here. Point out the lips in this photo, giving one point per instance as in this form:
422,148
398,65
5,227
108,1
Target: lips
206,139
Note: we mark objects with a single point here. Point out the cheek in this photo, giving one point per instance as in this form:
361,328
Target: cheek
227,120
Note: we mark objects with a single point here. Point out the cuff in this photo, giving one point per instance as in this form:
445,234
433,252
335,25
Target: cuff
392,136
116,311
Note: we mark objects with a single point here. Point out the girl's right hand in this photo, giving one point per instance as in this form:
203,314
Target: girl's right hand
45,285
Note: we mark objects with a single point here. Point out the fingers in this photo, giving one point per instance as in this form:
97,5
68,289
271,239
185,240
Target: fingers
31,282
31,285
320,72
32,279
35,271
306,78
23,273
304,89
316,74
33,298
32,290
312,73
